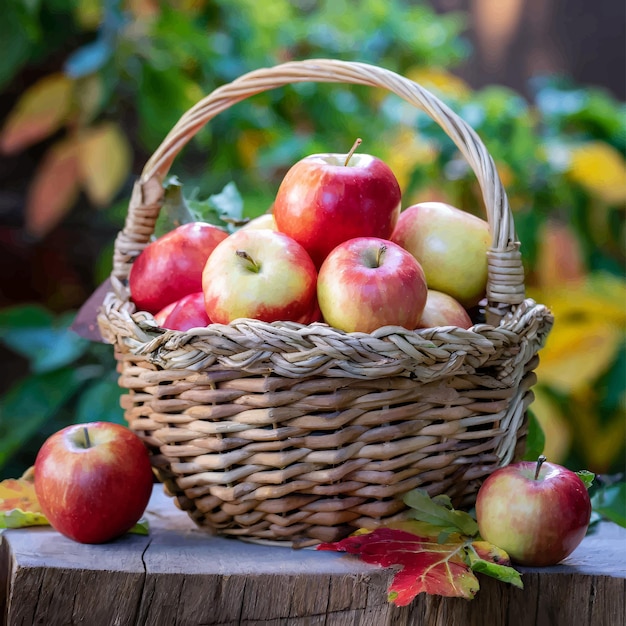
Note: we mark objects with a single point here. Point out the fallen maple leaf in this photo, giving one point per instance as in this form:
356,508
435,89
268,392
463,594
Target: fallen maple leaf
440,560
18,503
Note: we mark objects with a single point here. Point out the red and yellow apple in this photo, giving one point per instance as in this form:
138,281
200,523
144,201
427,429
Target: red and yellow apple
93,481
451,246
367,282
443,310
260,274
537,512
170,267
266,220
326,199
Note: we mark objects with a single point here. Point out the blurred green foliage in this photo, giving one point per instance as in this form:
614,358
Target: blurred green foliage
138,65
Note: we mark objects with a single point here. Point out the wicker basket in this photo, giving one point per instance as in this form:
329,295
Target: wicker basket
284,432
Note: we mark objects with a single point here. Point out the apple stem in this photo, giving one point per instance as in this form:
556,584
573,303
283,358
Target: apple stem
357,143
87,440
254,266
379,255
540,461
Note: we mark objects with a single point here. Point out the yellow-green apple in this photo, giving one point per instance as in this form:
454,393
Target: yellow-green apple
170,267
537,512
260,274
443,310
93,481
266,220
188,312
451,246
326,199
368,282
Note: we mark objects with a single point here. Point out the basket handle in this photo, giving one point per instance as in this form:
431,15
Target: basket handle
505,284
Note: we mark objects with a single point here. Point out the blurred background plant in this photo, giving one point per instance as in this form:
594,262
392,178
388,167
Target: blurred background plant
90,88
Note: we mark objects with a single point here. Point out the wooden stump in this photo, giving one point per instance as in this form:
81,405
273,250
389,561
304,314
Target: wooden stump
181,575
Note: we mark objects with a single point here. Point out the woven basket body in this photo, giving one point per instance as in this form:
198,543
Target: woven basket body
295,433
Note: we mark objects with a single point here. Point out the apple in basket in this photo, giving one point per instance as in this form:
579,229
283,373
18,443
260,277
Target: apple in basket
450,244
188,312
170,267
368,282
326,199
93,481
443,310
537,512
260,274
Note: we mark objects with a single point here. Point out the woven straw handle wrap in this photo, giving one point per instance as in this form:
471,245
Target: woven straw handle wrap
505,286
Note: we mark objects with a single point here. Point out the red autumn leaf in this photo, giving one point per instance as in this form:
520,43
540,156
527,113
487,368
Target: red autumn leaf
426,565
54,188
19,493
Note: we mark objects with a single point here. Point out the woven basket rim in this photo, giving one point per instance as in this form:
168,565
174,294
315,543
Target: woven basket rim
505,284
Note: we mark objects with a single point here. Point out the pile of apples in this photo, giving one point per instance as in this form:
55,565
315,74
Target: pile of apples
336,249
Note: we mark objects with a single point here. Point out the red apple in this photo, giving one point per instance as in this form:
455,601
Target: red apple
326,199
260,274
171,266
536,512
93,481
443,310
161,316
450,244
188,312
367,282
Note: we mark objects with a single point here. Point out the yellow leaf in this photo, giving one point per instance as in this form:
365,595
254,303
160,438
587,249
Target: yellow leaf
554,424
105,161
440,80
600,169
589,322
88,13
405,150
19,493
89,94
248,144
577,352
41,111
54,188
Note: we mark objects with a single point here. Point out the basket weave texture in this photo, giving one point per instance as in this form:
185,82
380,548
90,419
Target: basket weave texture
285,432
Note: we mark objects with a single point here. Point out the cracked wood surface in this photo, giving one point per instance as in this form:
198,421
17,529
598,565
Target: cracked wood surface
179,575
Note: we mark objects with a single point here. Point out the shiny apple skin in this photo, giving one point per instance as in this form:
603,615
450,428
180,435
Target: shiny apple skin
171,266
356,294
451,246
321,202
443,310
93,494
283,288
537,522
188,312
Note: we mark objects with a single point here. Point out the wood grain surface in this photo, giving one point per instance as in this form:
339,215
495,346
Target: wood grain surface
179,575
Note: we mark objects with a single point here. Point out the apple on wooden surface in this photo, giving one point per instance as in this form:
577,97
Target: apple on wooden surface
326,199
450,244
171,266
93,481
443,310
367,282
188,312
537,512
260,274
